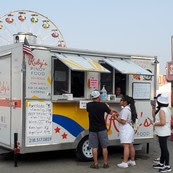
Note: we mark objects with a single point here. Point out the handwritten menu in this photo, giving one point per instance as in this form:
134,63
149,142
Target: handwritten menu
141,90
39,119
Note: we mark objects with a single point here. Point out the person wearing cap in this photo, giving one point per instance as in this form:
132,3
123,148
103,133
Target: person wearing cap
97,128
162,119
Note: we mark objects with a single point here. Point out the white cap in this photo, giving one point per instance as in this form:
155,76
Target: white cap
95,94
163,98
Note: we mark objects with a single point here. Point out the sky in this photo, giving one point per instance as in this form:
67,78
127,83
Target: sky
141,27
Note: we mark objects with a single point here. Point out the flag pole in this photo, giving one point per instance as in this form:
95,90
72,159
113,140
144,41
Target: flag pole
23,78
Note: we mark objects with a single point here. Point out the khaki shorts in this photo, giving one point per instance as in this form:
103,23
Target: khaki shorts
96,138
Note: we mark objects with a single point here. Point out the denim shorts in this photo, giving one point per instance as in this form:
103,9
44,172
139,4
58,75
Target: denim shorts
96,138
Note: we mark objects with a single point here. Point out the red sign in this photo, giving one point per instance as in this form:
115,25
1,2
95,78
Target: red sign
169,74
93,83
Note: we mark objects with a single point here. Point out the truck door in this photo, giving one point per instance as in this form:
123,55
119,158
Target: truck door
5,99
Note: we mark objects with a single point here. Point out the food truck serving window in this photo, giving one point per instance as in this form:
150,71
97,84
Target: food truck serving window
126,66
80,63
69,72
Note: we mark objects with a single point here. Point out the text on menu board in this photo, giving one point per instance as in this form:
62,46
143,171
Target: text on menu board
39,118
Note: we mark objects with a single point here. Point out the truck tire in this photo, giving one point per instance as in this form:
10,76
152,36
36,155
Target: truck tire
84,152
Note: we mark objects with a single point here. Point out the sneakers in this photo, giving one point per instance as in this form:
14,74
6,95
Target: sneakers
131,163
158,166
165,169
94,166
157,160
123,165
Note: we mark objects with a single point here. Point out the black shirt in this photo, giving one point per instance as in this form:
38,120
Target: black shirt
96,112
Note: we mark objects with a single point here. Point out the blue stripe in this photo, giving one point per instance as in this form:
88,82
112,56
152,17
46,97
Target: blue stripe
70,125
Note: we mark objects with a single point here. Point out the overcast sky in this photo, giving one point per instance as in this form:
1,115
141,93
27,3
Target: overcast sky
120,26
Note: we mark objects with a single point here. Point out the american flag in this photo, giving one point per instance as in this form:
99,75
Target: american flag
26,48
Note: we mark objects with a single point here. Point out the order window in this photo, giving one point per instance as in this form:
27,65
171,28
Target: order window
77,83
107,79
61,77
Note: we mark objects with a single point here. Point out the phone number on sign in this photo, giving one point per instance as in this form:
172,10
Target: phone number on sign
40,139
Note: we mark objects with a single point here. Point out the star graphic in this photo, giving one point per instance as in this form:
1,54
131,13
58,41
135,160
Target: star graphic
57,129
64,136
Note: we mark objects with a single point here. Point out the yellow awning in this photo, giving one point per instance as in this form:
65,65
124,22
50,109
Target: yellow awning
81,63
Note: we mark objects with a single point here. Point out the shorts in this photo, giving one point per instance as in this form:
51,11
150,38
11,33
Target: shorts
96,138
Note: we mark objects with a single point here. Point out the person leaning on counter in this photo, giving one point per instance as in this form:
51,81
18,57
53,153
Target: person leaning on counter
97,128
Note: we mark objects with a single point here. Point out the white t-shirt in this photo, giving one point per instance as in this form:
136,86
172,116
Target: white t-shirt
166,129
125,114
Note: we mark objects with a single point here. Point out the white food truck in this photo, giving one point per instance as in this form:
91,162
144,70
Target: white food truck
43,97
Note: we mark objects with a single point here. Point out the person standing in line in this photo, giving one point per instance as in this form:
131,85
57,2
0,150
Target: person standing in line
162,124
97,128
126,118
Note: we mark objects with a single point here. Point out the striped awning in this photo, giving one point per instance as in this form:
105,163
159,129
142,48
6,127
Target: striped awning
126,66
81,63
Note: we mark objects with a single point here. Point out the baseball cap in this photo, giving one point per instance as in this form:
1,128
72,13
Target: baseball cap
163,98
95,94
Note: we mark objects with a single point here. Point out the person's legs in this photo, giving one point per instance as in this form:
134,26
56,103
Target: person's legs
132,152
105,155
93,143
126,152
162,147
104,142
95,154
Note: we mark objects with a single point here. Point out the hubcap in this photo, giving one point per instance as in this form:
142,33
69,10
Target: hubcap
87,150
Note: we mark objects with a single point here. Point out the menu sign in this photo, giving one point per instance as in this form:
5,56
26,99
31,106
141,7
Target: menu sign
39,122
38,78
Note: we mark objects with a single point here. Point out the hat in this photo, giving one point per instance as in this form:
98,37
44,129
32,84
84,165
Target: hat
95,94
163,98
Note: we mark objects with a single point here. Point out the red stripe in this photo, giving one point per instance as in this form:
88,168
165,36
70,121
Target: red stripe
6,103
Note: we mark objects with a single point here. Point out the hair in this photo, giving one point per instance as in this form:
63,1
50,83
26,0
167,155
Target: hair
159,106
130,101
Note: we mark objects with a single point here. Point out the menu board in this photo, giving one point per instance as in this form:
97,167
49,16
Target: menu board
39,119
141,90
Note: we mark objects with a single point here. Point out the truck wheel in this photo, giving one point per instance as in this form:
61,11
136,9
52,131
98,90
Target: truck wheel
84,152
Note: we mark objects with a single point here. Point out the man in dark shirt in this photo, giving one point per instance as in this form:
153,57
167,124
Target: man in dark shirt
97,128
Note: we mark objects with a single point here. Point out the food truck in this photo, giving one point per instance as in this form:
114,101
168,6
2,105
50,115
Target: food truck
43,97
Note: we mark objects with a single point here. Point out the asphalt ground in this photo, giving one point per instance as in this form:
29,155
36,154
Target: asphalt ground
65,161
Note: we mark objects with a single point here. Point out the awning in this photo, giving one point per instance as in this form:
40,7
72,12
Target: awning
126,66
79,63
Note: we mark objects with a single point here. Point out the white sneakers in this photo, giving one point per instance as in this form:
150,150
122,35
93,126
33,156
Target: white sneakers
126,165
131,163
123,165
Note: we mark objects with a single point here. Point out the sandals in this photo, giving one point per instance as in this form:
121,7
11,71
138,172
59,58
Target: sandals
97,166
94,166
105,165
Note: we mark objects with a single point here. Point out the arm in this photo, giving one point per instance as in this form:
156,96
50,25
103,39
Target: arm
122,121
162,119
153,113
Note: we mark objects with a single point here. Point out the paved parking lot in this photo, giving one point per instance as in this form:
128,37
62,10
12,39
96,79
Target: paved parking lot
65,162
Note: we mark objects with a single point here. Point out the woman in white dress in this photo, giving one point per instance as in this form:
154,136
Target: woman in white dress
126,118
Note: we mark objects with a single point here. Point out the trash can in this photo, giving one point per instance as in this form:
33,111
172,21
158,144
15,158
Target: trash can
171,128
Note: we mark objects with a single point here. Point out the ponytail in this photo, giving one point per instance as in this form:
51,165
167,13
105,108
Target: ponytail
133,110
